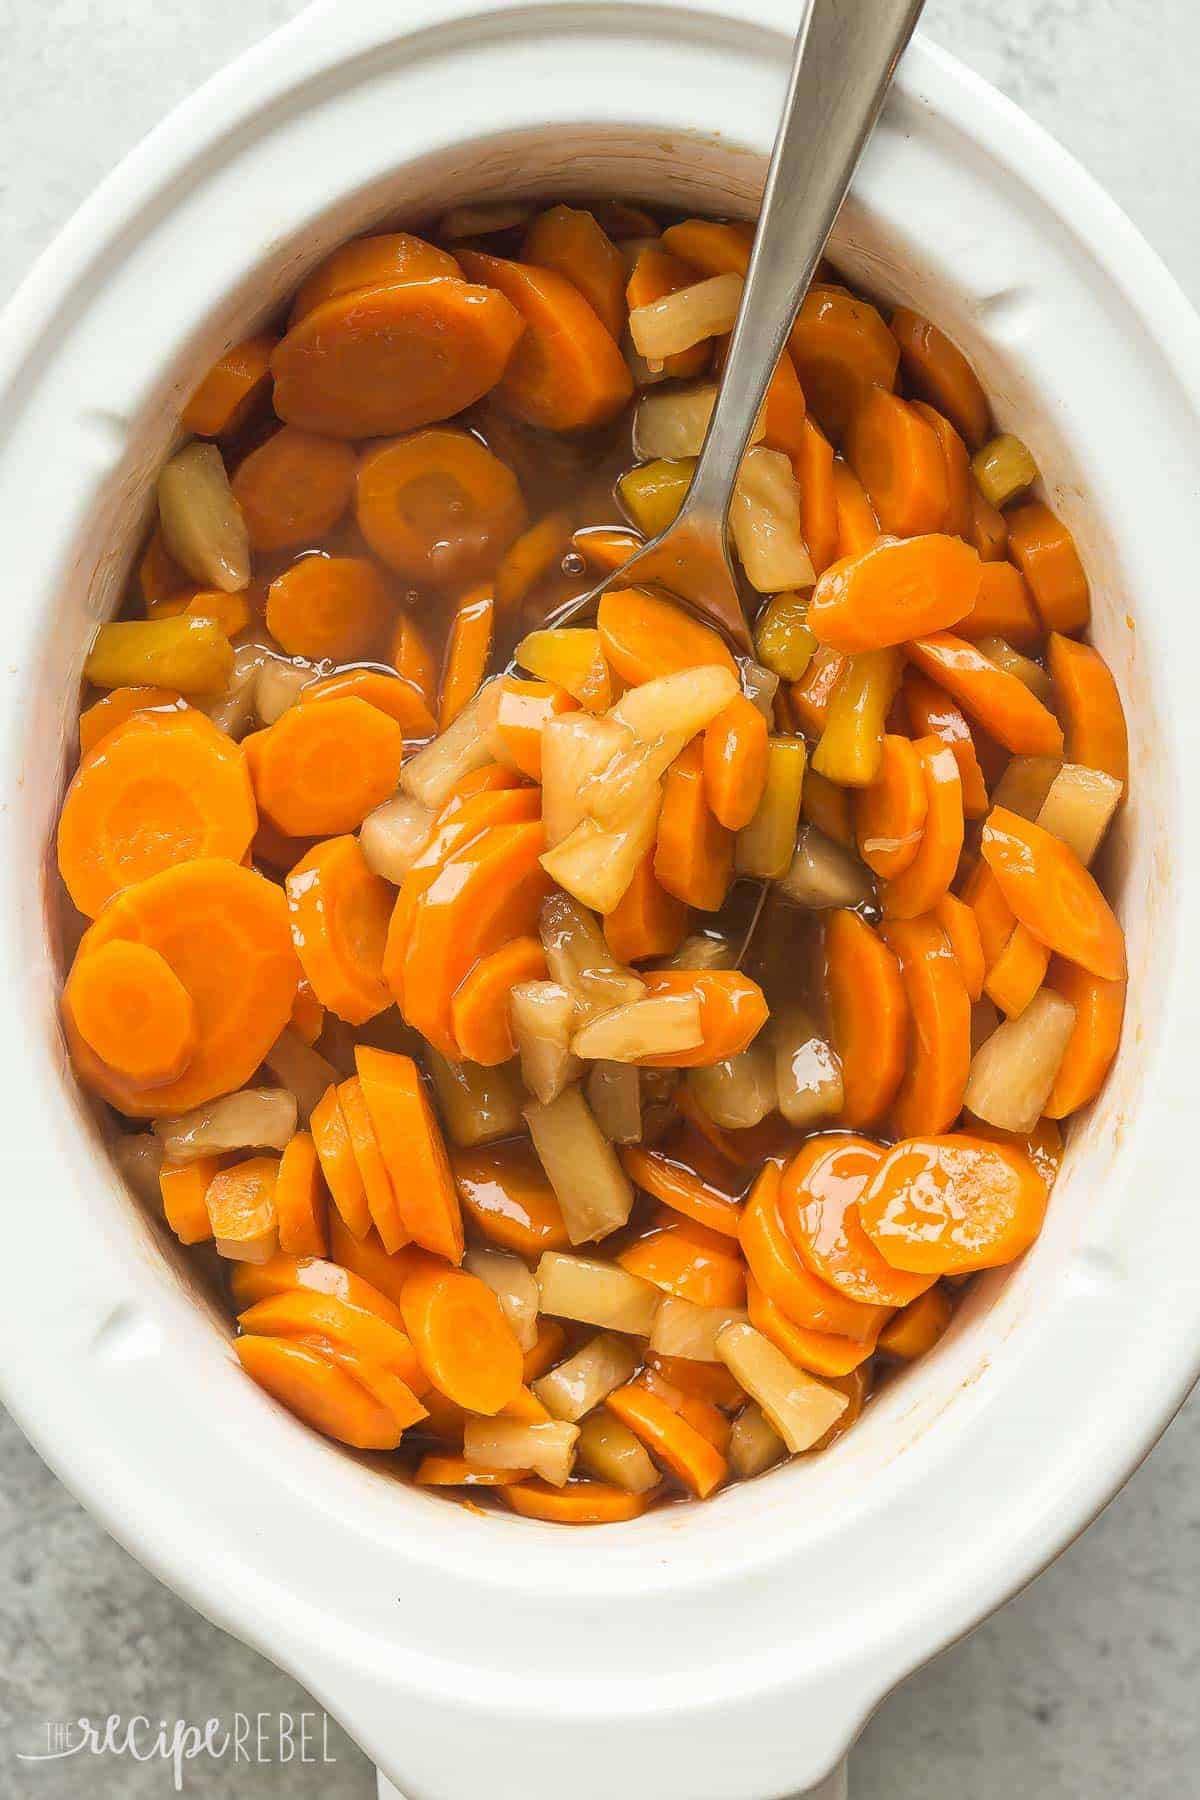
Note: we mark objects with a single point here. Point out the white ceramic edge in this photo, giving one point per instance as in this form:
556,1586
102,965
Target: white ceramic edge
1113,242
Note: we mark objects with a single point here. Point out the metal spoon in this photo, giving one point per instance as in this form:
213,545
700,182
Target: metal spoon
846,55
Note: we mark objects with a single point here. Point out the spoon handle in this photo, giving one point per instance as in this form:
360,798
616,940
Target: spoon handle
846,53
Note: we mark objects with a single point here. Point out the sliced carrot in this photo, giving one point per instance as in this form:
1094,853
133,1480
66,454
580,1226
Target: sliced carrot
916,1329
579,1503
162,789
570,241
693,857
456,1471
306,1313
224,931
159,575
365,1261
480,1010
819,1194
890,813
370,262
335,1152
989,528
294,488
321,769
119,704
783,1278
548,1348
869,1016
413,1151
505,1193
784,410
320,1391
810,697
438,506
858,528
241,1208
487,892
687,1454
957,465
1093,717
712,247
462,1339
930,1095
994,917
941,374
820,1352
530,558
340,914
131,1009
330,608
1017,973
232,388
645,636
230,612
647,920
1001,703
468,648
411,655
899,461
654,275
732,1013
523,709
673,1260
493,778
950,1205
700,1381
300,1199
391,358
842,350
607,547
676,1183
931,712
258,1281
566,372
735,763
1044,551
377,1183
1004,608
919,887
830,807
961,927
1052,893
813,466
878,597
399,699
1099,1010
183,1187
700,1414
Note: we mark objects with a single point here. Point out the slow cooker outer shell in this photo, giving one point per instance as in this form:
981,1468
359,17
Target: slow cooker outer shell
716,1653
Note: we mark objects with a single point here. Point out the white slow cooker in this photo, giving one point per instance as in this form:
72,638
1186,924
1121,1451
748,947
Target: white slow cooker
721,1652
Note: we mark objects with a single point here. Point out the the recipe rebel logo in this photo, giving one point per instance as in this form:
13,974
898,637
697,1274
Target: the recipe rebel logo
265,1737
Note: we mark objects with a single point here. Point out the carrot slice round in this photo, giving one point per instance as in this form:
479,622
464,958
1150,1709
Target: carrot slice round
438,506
689,1456
671,1179
961,927
384,359
654,275
941,374
869,1016
319,1391
414,1153
989,527
163,789
820,1352
693,855
300,1199
570,241
700,1381
951,1205
331,1137
259,1281
377,1182
119,704
673,1260
330,608
232,388
132,1010
468,648
1002,704
566,372
957,466
456,1471
224,932
919,886
462,1339
930,1095
733,1011
735,762
931,712
818,1204
712,247
1044,551
800,1295
579,1503
644,636
916,1329
304,1312
340,914
399,699
530,558
857,526
1099,1011
504,1191
369,262
895,590
842,349
1052,893
899,461
294,488
411,655
524,707
480,1006
366,1261
1017,973
1094,719
1004,608
813,466
321,769
184,1191
647,920
889,814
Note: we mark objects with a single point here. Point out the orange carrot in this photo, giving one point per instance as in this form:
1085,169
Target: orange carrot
184,1187
810,697
530,558
818,1205
732,1013
230,612
693,857
916,1329
579,1503
1099,1009
820,1352
786,1281
655,274
119,704
784,410
398,698
813,465
1017,973
411,1141
644,636
365,1261
340,913
371,262
842,350
1001,703
159,575
232,388
571,242
493,778
895,590
1004,608
890,813
550,1344
961,927
700,1414
386,359
131,1009
377,1183
258,1281
455,1471
523,709
869,1017
505,1193
241,1208
335,608
677,1185
647,920
957,466
899,461
830,807
606,547
930,1096
711,247
305,1313
989,528
480,1009
950,1205
468,649
941,374
462,1339
294,488
224,931
858,528
1052,893
994,917
321,769
735,763
689,1456
920,885
1044,551
320,1391
700,1381
335,1152
1093,718
673,1260
118,825
411,655
931,712
438,506
566,372
300,1199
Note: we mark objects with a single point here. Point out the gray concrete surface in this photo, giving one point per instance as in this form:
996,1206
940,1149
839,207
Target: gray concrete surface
1085,1687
